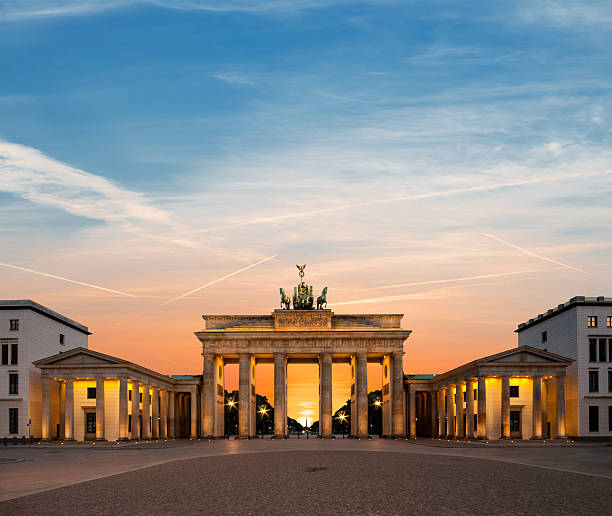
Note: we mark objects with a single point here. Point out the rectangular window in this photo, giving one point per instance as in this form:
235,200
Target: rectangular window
544,336
475,421
61,339
4,354
592,321
609,350
475,394
14,324
609,381
13,383
592,350
610,418
130,422
140,397
91,393
13,421
129,395
609,321
515,420
593,381
514,391
464,395
602,350
14,354
593,418
91,422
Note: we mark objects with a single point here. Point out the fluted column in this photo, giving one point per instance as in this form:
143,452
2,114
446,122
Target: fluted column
505,407
459,432
536,407
450,422
482,407
171,423
146,412
545,386
46,409
280,396
123,409
163,421
135,410
209,396
244,396
412,410
193,427
325,395
560,381
469,409
397,395
441,412
155,413
100,408
62,410
361,377
69,410
434,413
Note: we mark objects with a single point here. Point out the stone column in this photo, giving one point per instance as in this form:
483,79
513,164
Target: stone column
469,409
280,396
441,412
244,396
155,413
434,414
482,407
397,395
450,423
536,407
171,427
412,410
361,388
47,432
560,381
193,428
135,410
100,409
325,395
209,396
459,431
123,409
69,410
545,408
146,412
163,421
62,410
505,407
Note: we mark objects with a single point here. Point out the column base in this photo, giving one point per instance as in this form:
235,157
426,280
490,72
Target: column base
482,438
99,439
123,439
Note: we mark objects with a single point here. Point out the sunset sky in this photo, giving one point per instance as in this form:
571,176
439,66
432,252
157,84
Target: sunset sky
449,161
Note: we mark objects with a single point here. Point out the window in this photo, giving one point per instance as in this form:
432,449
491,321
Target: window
4,354
592,350
593,381
515,420
592,321
91,421
609,350
602,350
475,394
544,336
13,421
593,418
464,395
514,391
62,339
140,397
610,418
475,420
14,353
91,394
609,321
13,383
130,422
130,395
14,324
609,381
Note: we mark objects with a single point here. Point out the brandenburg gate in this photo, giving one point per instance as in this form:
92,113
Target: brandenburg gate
303,334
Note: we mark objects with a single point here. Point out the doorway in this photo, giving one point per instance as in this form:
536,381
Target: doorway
90,425
515,424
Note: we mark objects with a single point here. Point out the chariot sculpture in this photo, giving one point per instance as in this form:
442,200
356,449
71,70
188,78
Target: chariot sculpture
303,297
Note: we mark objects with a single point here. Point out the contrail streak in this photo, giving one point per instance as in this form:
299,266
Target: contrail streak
451,280
217,281
66,279
530,253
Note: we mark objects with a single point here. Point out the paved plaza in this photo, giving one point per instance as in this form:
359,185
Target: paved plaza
307,477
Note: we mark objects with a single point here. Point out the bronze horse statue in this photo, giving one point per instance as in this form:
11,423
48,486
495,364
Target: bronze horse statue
322,299
285,300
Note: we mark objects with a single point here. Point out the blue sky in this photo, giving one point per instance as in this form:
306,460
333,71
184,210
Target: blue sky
151,147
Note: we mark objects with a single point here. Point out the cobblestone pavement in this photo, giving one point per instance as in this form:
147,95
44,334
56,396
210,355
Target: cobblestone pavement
300,477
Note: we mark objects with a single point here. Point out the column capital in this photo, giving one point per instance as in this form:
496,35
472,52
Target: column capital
397,354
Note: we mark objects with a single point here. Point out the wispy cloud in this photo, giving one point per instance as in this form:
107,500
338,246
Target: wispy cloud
535,255
28,173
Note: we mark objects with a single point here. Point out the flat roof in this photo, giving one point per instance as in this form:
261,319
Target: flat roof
575,301
28,304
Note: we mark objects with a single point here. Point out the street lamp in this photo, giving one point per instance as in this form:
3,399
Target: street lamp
262,411
378,406
342,417
231,404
